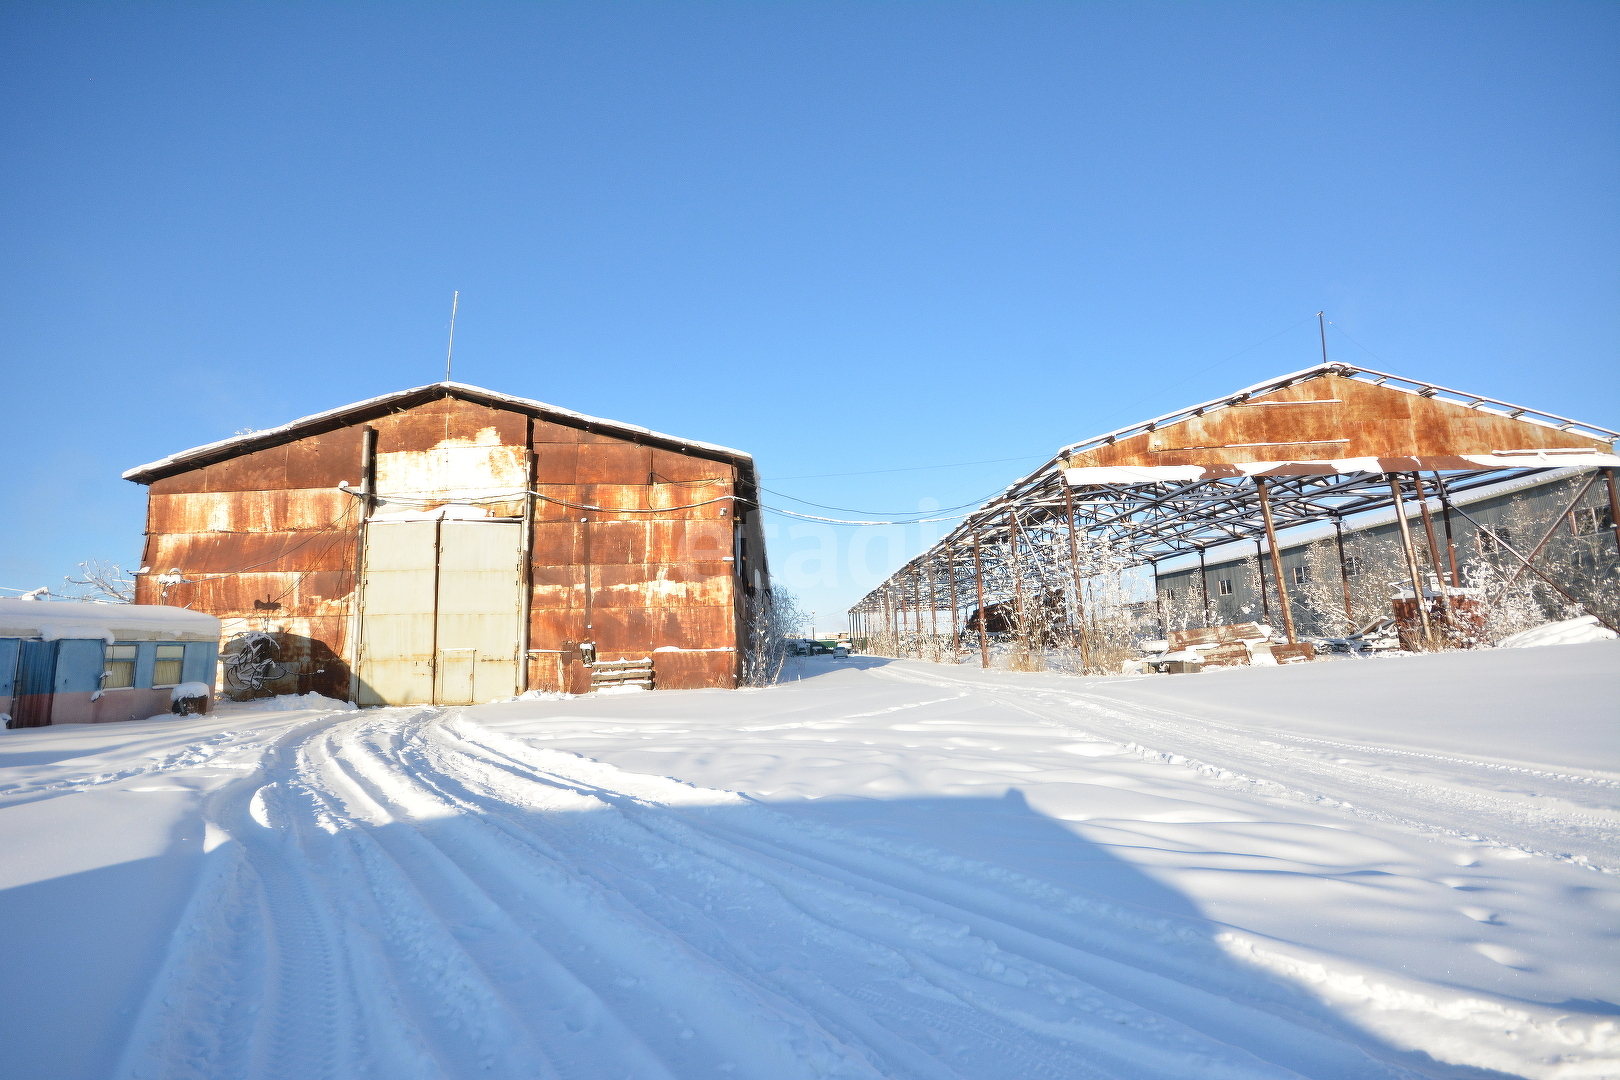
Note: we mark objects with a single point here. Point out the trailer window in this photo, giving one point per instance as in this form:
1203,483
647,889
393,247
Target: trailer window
167,670
1301,575
119,665
1223,586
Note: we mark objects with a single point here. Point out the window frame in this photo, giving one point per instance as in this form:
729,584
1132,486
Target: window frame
108,660
1223,586
178,661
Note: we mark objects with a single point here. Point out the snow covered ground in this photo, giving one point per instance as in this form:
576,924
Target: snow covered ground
1383,868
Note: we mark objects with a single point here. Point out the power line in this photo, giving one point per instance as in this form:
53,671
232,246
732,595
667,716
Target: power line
913,468
852,510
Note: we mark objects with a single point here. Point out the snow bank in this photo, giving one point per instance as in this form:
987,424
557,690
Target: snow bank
1569,632
289,703
190,690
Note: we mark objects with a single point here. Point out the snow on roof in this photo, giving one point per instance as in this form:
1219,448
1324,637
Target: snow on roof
271,436
53,620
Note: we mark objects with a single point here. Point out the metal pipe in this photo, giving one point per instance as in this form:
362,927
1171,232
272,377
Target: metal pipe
1434,553
585,559
933,614
438,569
368,481
1081,638
1411,556
1021,631
1614,507
1260,568
526,577
1344,572
950,566
1276,560
978,581
1203,582
1445,518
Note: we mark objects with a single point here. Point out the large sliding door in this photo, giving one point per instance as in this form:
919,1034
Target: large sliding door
441,608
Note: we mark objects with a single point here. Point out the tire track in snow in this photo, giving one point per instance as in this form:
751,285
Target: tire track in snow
401,895
406,894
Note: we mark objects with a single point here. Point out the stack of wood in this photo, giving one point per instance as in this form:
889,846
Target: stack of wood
1236,645
606,673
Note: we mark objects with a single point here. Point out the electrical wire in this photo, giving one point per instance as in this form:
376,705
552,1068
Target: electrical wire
852,510
660,509
914,468
1356,343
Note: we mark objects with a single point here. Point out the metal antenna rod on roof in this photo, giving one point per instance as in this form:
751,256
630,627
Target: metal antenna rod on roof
1320,325
450,352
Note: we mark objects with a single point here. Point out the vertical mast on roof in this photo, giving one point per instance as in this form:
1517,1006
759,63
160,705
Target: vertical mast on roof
1321,327
450,352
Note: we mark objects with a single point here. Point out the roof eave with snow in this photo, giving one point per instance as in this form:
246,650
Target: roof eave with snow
331,419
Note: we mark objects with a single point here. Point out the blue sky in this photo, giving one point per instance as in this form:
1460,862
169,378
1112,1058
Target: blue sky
845,237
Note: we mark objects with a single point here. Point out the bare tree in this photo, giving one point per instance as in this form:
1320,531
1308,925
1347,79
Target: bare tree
103,582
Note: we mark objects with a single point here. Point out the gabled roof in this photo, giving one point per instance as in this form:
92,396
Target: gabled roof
361,411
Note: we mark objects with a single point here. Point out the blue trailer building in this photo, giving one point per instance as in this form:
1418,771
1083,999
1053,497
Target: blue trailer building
79,663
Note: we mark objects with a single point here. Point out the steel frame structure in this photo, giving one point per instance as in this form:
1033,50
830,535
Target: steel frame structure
1012,548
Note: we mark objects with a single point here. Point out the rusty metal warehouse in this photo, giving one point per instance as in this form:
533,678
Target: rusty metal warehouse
1329,445
449,544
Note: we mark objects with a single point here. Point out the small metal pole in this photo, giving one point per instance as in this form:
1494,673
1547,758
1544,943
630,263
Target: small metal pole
1260,568
1080,636
916,592
1276,560
1021,630
1614,507
933,613
978,581
1411,556
1344,572
950,568
1434,551
1445,518
1203,583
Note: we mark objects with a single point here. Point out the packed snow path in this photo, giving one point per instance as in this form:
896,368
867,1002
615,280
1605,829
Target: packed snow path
879,869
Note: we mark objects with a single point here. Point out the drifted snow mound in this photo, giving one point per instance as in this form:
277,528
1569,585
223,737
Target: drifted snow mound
190,690
1569,632
292,703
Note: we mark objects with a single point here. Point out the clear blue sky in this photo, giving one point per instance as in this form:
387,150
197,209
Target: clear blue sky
844,237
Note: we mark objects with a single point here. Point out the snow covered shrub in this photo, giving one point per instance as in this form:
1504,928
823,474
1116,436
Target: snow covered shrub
1373,565
774,618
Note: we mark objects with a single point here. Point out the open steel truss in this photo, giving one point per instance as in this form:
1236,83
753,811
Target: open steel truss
1038,538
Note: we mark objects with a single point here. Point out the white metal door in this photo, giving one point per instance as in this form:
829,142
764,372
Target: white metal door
396,622
441,612
480,609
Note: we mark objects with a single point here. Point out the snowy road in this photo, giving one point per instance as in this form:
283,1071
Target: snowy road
882,869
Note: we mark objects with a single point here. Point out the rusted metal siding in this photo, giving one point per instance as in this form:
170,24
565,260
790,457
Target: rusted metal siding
630,582
267,541
1332,417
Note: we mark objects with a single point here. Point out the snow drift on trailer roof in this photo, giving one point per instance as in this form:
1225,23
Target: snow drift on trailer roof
53,620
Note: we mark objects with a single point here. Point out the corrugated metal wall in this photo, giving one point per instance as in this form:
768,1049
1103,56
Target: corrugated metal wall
266,541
